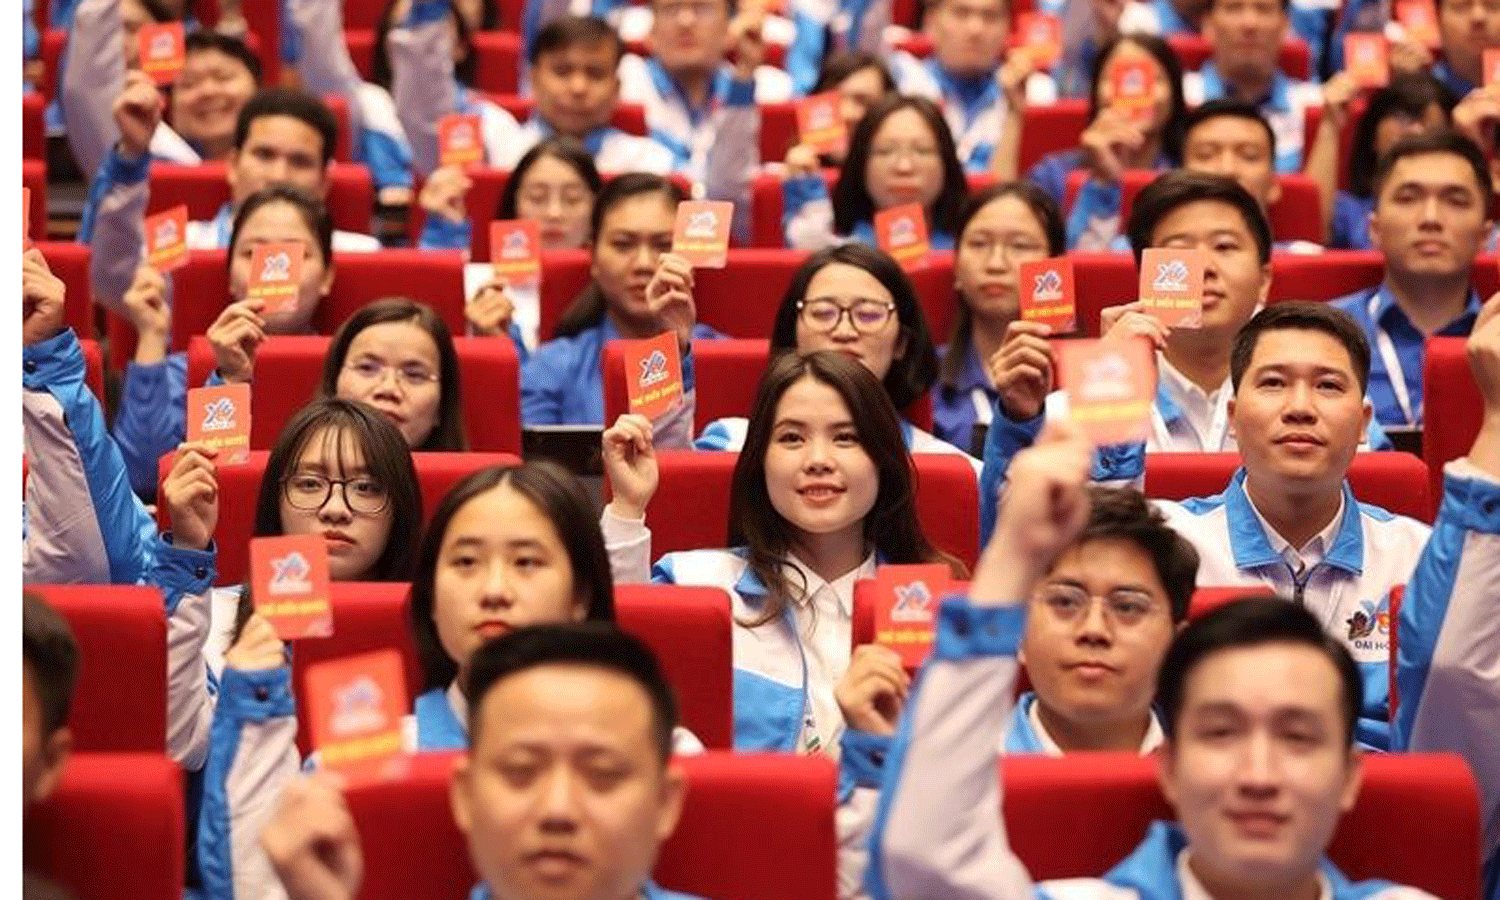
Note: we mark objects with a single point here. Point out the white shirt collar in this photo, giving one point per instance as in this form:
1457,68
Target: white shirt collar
842,588
1180,387
1152,739
1193,889
1311,553
460,704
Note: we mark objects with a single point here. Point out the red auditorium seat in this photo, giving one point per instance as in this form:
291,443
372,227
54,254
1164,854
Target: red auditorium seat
70,262
434,277
767,206
1101,280
54,42
1050,127
1193,51
1325,276
692,502
34,176
239,486
498,69
1452,407
33,126
1294,216
1072,817
741,810
203,188
489,369
120,702
362,14
93,365
264,22
1393,481
727,378
778,130
112,813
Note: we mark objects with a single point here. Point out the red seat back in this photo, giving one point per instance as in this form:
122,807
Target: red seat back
488,368
778,131
690,509
1081,814
1325,276
70,262
1453,407
690,631
33,127
741,810
1295,215
54,42
1393,481
239,487
122,639
203,188
1193,51
93,367
113,830
34,177
1101,280
498,61
1051,127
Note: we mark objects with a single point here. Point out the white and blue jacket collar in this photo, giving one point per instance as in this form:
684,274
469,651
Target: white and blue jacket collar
1252,548
1278,100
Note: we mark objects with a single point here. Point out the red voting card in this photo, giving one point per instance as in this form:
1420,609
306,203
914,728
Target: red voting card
906,602
1492,65
653,374
276,275
820,125
289,584
1171,286
1046,290
357,704
1110,387
460,141
1419,18
166,239
516,251
1041,38
701,235
1367,59
901,231
163,52
1133,86
220,417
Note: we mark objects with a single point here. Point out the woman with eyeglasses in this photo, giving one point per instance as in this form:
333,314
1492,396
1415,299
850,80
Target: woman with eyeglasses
397,355
900,152
854,299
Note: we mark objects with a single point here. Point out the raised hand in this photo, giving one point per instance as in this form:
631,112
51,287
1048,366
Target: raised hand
873,690
443,194
1129,320
630,465
191,493
235,336
670,298
137,110
490,311
1022,370
258,649
43,299
312,842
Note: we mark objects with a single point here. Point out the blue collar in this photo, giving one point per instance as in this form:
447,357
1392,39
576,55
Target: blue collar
753,589
1459,85
1170,411
972,375
1252,548
593,142
953,89
666,86
437,727
649,890
1278,100
1020,737
1388,312
223,223
1169,19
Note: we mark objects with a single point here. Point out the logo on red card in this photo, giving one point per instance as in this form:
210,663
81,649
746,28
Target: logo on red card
1110,385
290,585
219,417
357,705
653,374
701,233
166,239
901,231
289,574
1171,287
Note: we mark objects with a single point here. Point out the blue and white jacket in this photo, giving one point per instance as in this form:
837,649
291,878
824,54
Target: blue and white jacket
807,219
937,833
1350,227
1398,347
1284,108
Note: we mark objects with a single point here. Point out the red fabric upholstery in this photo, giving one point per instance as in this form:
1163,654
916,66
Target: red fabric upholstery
239,486
113,830
362,14
1294,216
54,41
264,21
498,67
1193,51
1393,481
690,630
70,262
1101,280
343,144
741,810
1079,815
778,130
93,366
690,510
1453,407
1051,127
488,368
33,126
1326,276
34,176
120,702
203,188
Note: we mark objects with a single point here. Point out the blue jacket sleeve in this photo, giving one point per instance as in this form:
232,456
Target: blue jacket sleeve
1004,440
440,234
152,417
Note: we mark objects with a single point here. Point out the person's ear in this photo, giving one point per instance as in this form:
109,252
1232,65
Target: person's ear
1166,769
1264,294
459,789
1273,194
326,284
1354,778
1229,411
55,752
674,790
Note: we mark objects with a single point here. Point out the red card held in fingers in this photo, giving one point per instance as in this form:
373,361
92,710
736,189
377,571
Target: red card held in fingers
819,124
219,417
289,584
357,705
1419,18
460,140
701,233
276,276
1171,287
1041,39
1110,386
1367,59
166,239
1046,288
906,601
653,374
1133,85
515,252
163,51
901,231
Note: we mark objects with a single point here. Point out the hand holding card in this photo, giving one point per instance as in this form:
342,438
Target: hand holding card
653,374
901,231
289,583
1171,287
220,418
1110,385
357,705
1046,289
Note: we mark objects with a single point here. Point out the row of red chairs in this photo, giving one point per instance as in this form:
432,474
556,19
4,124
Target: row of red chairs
1065,817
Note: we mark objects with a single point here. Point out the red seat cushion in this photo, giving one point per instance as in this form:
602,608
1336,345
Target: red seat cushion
1452,404
1393,481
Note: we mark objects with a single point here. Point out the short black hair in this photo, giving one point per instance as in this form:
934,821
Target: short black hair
1409,95
1252,622
573,31
50,654
1441,140
1125,514
1301,316
840,64
1180,187
599,645
296,104
227,44
1225,108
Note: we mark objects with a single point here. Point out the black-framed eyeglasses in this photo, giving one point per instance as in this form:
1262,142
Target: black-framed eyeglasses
310,492
866,316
